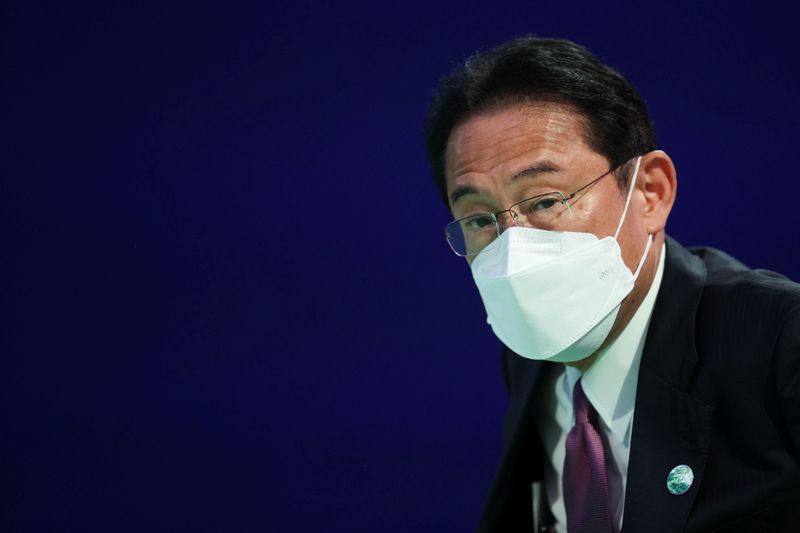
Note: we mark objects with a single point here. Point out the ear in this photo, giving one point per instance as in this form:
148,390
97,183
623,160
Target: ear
657,180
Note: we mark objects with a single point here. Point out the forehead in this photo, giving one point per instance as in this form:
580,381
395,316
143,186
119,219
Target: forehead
500,142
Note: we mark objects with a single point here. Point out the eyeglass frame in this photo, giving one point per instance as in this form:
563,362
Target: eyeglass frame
515,216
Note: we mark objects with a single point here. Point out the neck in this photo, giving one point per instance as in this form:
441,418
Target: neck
629,305
584,364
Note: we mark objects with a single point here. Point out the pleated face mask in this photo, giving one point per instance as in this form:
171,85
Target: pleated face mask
554,295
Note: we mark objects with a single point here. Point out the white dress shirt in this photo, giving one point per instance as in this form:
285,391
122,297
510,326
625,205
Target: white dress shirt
610,386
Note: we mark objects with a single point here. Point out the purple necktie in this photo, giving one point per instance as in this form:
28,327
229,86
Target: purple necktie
585,477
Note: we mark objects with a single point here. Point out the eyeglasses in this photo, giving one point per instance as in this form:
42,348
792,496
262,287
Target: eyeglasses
468,236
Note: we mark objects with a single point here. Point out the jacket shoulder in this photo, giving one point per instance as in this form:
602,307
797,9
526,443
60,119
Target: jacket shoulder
728,278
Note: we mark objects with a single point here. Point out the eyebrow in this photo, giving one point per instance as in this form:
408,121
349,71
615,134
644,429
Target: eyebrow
542,167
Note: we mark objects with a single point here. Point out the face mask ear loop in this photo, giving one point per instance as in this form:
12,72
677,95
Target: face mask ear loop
628,200
644,257
569,209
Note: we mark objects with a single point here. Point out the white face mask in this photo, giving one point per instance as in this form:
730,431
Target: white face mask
554,295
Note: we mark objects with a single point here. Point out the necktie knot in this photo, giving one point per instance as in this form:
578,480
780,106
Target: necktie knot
584,412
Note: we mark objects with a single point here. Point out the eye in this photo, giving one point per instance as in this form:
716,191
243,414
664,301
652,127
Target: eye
477,223
543,204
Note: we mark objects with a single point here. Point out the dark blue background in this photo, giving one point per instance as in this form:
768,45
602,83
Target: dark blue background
227,302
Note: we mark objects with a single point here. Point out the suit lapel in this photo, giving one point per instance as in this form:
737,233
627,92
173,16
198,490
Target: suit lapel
670,426
509,506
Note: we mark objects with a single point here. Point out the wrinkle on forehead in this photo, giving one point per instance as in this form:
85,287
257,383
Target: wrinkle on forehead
492,140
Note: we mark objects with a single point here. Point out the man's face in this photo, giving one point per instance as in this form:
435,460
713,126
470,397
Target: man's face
501,157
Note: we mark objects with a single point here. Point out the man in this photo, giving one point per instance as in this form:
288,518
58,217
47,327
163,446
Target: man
652,388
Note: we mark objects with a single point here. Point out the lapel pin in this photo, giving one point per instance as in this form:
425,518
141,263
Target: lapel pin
680,479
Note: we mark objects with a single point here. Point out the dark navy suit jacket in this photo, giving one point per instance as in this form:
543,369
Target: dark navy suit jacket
718,390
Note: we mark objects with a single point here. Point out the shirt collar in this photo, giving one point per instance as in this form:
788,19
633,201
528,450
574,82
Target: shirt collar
610,383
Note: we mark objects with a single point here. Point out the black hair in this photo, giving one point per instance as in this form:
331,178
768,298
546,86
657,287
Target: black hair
530,69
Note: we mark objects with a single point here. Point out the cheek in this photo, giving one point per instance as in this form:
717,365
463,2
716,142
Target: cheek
583,218
593,216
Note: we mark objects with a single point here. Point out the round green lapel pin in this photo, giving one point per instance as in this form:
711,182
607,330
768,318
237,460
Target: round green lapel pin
680,479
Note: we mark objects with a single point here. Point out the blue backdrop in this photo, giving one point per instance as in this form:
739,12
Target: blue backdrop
227,301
